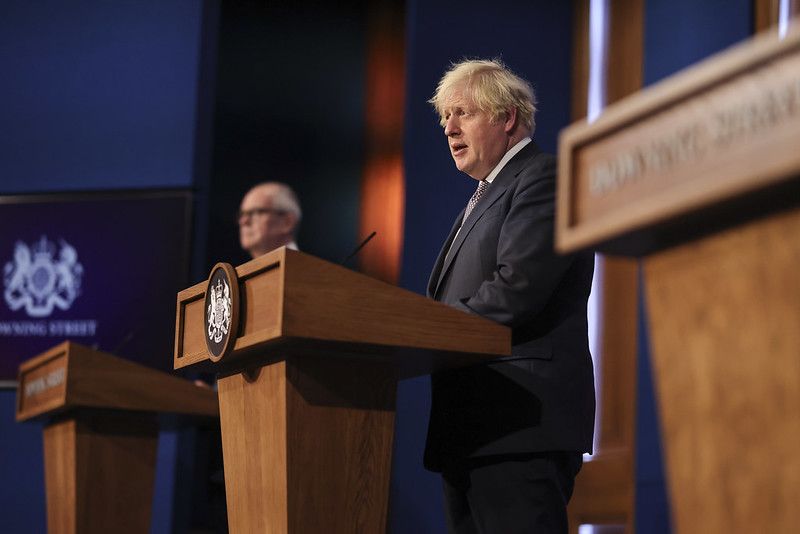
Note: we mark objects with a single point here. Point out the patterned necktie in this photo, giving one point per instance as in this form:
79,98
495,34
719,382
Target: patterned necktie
483,185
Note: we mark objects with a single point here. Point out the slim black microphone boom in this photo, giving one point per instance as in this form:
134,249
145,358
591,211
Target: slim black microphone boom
358,249
125,340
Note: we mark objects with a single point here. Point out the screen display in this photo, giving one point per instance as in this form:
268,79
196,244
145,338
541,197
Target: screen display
100,269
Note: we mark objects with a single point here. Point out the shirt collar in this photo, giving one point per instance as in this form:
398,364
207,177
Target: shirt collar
506,158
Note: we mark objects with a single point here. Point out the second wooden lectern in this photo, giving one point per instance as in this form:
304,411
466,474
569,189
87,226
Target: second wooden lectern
700,176
309,354
101,434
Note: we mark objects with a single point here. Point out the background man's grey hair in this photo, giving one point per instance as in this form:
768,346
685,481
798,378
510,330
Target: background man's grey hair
283,199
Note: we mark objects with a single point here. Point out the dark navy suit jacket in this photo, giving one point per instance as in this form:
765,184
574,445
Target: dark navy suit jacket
503,267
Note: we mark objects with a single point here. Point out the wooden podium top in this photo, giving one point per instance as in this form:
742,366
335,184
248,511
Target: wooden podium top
293,303
73,376
709,147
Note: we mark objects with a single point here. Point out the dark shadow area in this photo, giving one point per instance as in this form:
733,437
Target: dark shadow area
289,107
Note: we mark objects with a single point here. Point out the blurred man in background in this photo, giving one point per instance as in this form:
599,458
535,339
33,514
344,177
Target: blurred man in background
269,217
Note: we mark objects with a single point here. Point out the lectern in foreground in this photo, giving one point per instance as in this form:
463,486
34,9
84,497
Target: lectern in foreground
700,176
101,434
309,354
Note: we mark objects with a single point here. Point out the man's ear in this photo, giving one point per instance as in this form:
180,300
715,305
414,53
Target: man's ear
289,221
511,120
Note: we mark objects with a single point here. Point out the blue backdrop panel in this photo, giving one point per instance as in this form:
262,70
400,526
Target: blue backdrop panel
534,39
97,94
679,33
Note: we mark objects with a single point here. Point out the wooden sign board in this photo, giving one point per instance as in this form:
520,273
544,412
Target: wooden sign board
711,146
43,384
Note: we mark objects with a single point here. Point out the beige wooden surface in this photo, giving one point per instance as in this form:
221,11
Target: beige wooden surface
94,379
253,415
307,446
754,84
289,296
725,316
101,435
99,474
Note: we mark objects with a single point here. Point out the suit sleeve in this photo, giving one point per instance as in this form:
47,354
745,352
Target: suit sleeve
528,270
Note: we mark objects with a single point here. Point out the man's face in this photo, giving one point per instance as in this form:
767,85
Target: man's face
260,228
476,143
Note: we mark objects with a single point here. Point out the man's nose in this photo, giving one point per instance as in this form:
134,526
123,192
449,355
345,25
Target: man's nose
451,126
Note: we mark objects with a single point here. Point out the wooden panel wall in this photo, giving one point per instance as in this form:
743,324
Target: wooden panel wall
604,491
765,13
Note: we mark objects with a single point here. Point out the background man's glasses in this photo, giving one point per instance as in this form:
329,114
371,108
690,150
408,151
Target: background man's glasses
246,214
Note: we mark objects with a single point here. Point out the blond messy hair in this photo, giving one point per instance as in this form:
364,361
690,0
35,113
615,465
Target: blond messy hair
491,86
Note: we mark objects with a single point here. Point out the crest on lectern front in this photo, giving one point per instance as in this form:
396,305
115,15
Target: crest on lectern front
219,311
221,319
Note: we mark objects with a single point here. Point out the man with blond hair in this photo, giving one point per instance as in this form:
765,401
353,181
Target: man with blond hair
508,436
268,218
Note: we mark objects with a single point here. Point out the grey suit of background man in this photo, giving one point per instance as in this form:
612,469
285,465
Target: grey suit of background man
269,217
508,437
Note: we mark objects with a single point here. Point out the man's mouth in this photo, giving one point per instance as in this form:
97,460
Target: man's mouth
458,149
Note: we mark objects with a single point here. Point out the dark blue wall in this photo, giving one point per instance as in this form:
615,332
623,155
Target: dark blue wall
290,108
95,95
22,508
677,34
98,95
534,39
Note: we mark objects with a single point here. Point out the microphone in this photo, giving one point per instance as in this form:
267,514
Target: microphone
126,339
343,263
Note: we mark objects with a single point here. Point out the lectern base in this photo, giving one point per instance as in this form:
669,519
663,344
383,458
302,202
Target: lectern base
725,316
99,472
307,445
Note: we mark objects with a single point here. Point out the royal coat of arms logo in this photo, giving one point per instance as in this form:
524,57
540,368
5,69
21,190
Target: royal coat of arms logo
42,277
219,311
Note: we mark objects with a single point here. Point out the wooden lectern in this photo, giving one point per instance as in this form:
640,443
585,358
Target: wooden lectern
101,434
700,176
308,380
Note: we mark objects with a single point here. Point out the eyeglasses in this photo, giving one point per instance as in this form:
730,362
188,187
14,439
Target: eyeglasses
246,214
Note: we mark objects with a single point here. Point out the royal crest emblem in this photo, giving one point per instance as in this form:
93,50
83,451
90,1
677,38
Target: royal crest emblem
42,277
222,311
219,311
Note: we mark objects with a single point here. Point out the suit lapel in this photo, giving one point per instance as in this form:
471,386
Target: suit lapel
496,190
433,280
